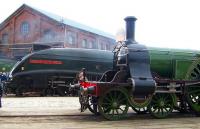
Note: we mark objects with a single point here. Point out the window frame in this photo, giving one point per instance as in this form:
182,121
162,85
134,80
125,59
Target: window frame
90,45
84,43
48,35
3,41
25,28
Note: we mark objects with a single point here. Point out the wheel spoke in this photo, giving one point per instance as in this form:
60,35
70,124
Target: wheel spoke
113,112
115,94
154,101
107,98
167,109
106,103
117,111
156,97
110,97
154,109
120,109
119,96
107,110
122,100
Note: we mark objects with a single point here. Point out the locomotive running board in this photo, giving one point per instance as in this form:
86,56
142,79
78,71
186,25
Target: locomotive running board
172,88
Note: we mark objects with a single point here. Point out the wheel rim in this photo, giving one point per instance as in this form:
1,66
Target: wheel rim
62,91
139,104
92,105
142,110
49,92
19,92
161,105
182,105
113,105
193,97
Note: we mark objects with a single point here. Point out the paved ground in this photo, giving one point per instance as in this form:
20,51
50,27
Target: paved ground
63,113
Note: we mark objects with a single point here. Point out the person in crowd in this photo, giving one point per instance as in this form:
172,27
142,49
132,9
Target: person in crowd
1,89
1,94
3,78
82,75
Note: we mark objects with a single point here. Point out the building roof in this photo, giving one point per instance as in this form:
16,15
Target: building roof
64,21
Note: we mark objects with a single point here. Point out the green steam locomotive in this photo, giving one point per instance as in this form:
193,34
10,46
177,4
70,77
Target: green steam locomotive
153,80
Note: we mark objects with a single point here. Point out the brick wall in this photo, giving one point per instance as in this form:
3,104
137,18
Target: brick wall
44,29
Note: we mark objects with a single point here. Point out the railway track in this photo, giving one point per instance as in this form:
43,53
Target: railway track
18,113
89,121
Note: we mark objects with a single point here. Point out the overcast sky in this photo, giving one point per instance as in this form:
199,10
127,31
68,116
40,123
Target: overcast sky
161,23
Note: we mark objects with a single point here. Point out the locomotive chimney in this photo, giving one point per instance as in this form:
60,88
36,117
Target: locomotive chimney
130,28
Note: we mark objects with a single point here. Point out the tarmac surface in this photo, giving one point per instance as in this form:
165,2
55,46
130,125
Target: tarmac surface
63,113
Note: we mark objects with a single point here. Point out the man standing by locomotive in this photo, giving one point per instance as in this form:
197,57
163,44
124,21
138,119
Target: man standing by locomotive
1,93
3,78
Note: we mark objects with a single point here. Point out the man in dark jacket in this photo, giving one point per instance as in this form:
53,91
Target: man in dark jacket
1,91
3,78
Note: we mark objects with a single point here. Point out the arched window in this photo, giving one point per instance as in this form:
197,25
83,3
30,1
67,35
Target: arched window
84,43
70,39
103,47
100,46
48,35
5,38
25,28
90,44
107,47
94,44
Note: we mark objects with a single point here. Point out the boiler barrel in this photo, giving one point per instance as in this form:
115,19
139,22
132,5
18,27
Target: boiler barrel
167,62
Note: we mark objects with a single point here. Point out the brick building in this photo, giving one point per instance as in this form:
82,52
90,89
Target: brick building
28,25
